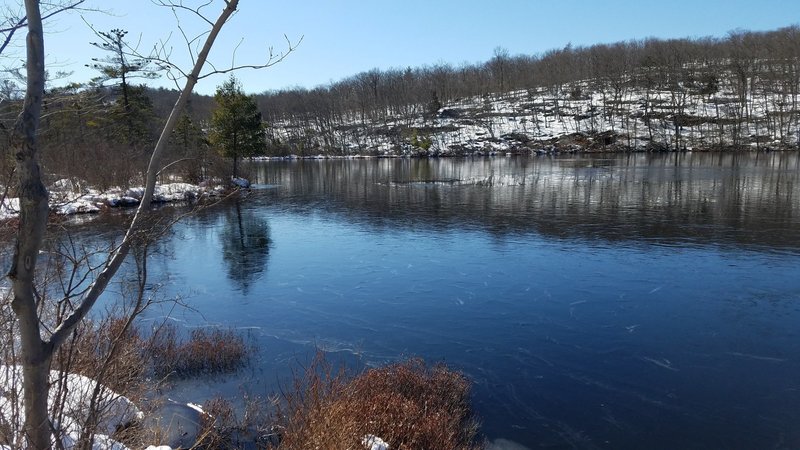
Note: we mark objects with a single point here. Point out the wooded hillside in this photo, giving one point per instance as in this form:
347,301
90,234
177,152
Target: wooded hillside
735,92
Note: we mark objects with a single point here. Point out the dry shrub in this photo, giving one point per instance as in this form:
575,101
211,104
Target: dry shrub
205,352
114,352
408,404
109,352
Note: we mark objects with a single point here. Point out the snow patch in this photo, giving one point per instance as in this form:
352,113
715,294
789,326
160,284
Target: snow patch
65,201
76,392
372,442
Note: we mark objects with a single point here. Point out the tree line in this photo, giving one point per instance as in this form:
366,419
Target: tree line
749,80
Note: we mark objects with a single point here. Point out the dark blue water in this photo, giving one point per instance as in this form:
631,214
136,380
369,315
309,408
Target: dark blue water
614,302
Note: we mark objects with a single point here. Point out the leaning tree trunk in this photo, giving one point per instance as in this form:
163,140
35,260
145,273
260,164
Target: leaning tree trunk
36,351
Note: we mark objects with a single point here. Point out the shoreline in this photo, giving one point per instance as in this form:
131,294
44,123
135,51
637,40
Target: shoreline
545,151
64,201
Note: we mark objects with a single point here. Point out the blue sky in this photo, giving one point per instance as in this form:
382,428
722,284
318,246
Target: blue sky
344,37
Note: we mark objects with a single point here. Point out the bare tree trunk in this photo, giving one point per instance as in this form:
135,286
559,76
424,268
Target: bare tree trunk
30,234
36,351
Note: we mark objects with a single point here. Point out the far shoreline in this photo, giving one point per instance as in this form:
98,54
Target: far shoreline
528,153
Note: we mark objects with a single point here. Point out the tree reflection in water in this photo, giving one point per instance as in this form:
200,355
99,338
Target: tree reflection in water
245,245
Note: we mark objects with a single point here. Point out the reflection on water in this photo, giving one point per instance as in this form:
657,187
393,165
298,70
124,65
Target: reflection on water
597,302
245,245
723,198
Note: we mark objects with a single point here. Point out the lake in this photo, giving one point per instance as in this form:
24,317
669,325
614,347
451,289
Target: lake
606,301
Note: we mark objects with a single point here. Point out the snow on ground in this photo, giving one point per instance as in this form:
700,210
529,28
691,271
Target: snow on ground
76,393
65,201
372,442
536,120
116,411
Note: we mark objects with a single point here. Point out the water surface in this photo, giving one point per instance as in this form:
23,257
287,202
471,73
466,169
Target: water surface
625,301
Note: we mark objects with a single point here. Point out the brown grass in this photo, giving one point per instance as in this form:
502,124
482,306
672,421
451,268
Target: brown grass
124,355
205,352
409,405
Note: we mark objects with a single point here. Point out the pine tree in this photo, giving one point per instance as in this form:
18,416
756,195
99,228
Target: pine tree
237,130
131,117
119,65
189,142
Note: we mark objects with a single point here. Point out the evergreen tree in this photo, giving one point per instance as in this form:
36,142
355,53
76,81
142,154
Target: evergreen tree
432,107
119,65
236,127
189,142
131,118
136,120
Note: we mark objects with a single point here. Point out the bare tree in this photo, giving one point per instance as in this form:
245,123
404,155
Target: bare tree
37,342
498,65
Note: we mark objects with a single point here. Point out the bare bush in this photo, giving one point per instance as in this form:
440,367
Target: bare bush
89,352
409,405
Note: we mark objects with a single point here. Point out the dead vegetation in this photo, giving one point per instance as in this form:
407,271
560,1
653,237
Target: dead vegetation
409,405
206,351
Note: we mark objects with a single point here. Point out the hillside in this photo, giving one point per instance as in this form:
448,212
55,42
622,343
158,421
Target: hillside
740,92
539,122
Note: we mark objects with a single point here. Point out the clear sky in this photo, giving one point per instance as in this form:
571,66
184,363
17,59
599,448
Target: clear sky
344,37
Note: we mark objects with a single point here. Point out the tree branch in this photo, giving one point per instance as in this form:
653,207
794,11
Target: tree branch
161,58
23,22
271,60
179,5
